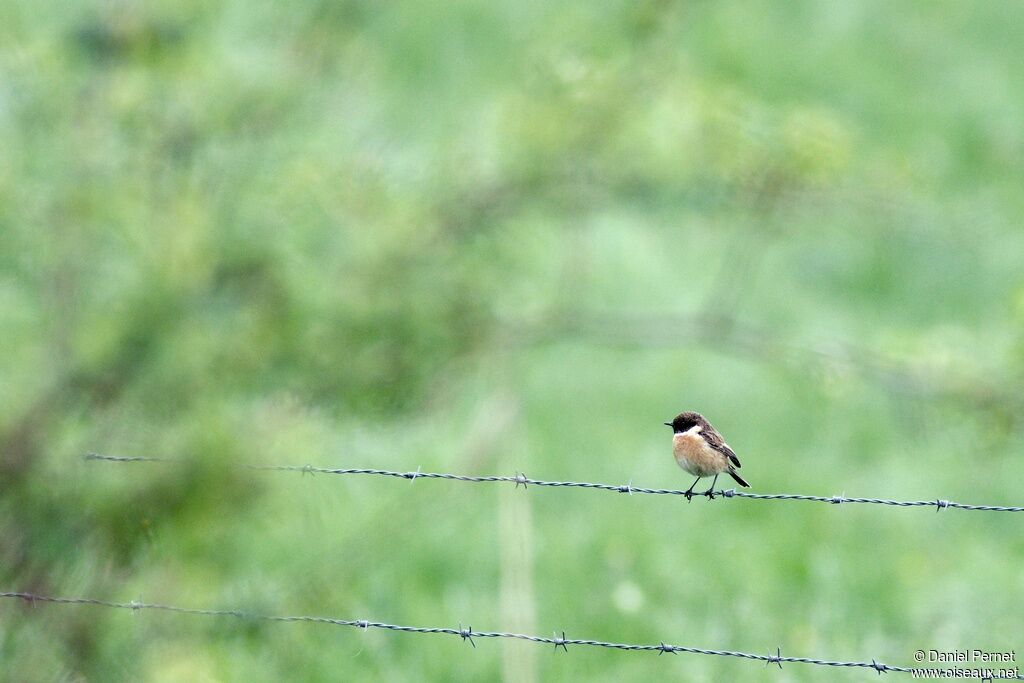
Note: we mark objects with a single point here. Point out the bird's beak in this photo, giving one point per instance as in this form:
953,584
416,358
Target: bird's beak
667,424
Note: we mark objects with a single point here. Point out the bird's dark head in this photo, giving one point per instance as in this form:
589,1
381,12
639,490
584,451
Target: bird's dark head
685,421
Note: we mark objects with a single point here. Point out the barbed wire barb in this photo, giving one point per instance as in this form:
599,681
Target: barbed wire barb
522,479
467,634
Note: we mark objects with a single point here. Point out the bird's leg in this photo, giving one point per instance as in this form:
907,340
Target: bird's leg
689,491
710,493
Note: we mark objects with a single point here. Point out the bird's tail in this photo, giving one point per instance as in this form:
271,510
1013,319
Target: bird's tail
738,478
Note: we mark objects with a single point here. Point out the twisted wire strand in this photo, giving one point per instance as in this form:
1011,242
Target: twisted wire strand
465,633
521,479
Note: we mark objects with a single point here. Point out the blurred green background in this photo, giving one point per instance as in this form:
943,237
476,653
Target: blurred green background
485,237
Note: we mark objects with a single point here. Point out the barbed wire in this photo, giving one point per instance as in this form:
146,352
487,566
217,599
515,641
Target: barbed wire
521,479
466,633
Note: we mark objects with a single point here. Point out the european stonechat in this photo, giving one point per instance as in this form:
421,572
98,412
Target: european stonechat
701,451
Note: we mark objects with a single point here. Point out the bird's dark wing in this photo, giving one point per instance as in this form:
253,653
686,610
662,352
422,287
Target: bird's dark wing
730,454
716,441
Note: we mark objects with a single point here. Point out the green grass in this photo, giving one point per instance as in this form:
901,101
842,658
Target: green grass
478,239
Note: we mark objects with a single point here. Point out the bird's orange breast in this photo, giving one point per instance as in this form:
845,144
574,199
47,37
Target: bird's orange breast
695,456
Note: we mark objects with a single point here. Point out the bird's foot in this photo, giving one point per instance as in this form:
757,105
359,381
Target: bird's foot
710,493
689,494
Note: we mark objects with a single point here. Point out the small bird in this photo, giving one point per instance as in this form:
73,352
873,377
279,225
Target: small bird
701,451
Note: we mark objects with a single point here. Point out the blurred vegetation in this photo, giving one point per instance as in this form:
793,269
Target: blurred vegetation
487,237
